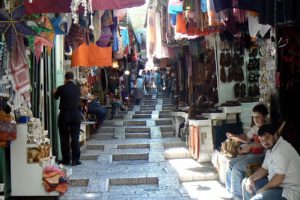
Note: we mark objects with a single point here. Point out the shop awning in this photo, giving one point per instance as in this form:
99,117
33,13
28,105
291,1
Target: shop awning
63,6
92,56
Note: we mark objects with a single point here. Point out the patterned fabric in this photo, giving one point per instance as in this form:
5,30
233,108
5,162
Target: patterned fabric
8,130
76,36
12,24
49,35
39,43
18,67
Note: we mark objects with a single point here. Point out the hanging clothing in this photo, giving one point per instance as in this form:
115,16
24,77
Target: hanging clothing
125,37
175,6
105,37
97,24
18,67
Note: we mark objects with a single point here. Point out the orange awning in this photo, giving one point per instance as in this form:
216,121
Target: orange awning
92,56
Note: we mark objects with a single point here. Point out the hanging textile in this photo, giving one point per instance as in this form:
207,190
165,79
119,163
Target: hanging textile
194,143
175,6
181,24
125,37
63,6
18,67
114,29
12,24
76,36
119,54
92,56
212,16
57,23
97,24
49,35
151,32
105,37
39,43
255,27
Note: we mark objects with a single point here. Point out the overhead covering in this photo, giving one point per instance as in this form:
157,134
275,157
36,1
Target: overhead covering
63,6
92,56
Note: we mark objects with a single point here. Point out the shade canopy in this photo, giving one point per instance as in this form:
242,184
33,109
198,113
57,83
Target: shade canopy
63,6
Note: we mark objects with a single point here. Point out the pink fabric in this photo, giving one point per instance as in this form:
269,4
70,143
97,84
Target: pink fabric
39,42
63,6
18,67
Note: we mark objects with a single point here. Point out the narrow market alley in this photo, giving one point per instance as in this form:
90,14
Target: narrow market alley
136,156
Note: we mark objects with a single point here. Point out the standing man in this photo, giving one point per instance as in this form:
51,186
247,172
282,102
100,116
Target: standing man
278,178
69,119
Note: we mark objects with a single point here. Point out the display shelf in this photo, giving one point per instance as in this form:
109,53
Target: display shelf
22,172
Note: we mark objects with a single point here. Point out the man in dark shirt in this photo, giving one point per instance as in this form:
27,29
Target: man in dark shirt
69,119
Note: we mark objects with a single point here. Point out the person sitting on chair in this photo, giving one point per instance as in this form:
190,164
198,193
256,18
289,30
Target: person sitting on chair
94,107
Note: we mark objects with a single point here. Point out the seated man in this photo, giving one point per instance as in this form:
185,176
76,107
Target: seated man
281,166
94,107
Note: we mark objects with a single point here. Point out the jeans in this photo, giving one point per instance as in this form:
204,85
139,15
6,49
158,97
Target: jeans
271,194
236,172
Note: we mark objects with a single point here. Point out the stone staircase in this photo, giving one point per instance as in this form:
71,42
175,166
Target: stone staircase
136,156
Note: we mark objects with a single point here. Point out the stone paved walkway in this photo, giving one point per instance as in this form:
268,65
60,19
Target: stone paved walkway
137,157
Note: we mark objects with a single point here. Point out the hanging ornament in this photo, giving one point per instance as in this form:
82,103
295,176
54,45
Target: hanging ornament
87,6
12,24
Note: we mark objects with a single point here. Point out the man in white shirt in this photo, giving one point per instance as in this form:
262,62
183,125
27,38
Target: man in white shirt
281,166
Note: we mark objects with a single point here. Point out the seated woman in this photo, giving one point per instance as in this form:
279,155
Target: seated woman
94,107
251,151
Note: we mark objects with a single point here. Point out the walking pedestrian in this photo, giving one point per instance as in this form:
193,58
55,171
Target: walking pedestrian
69,119
139,90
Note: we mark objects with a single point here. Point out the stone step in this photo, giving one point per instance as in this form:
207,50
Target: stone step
78,181
134,181
177,153
174,144
164,112
191,170
118,116
168,104
123,112
134,123
142,116
148,104
130,156
167,134
143,112
163,122
106,129
165,116
103,136
147,108
167,108
137,130
95,147
166,129
133,146
108,123
137,135
89,156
